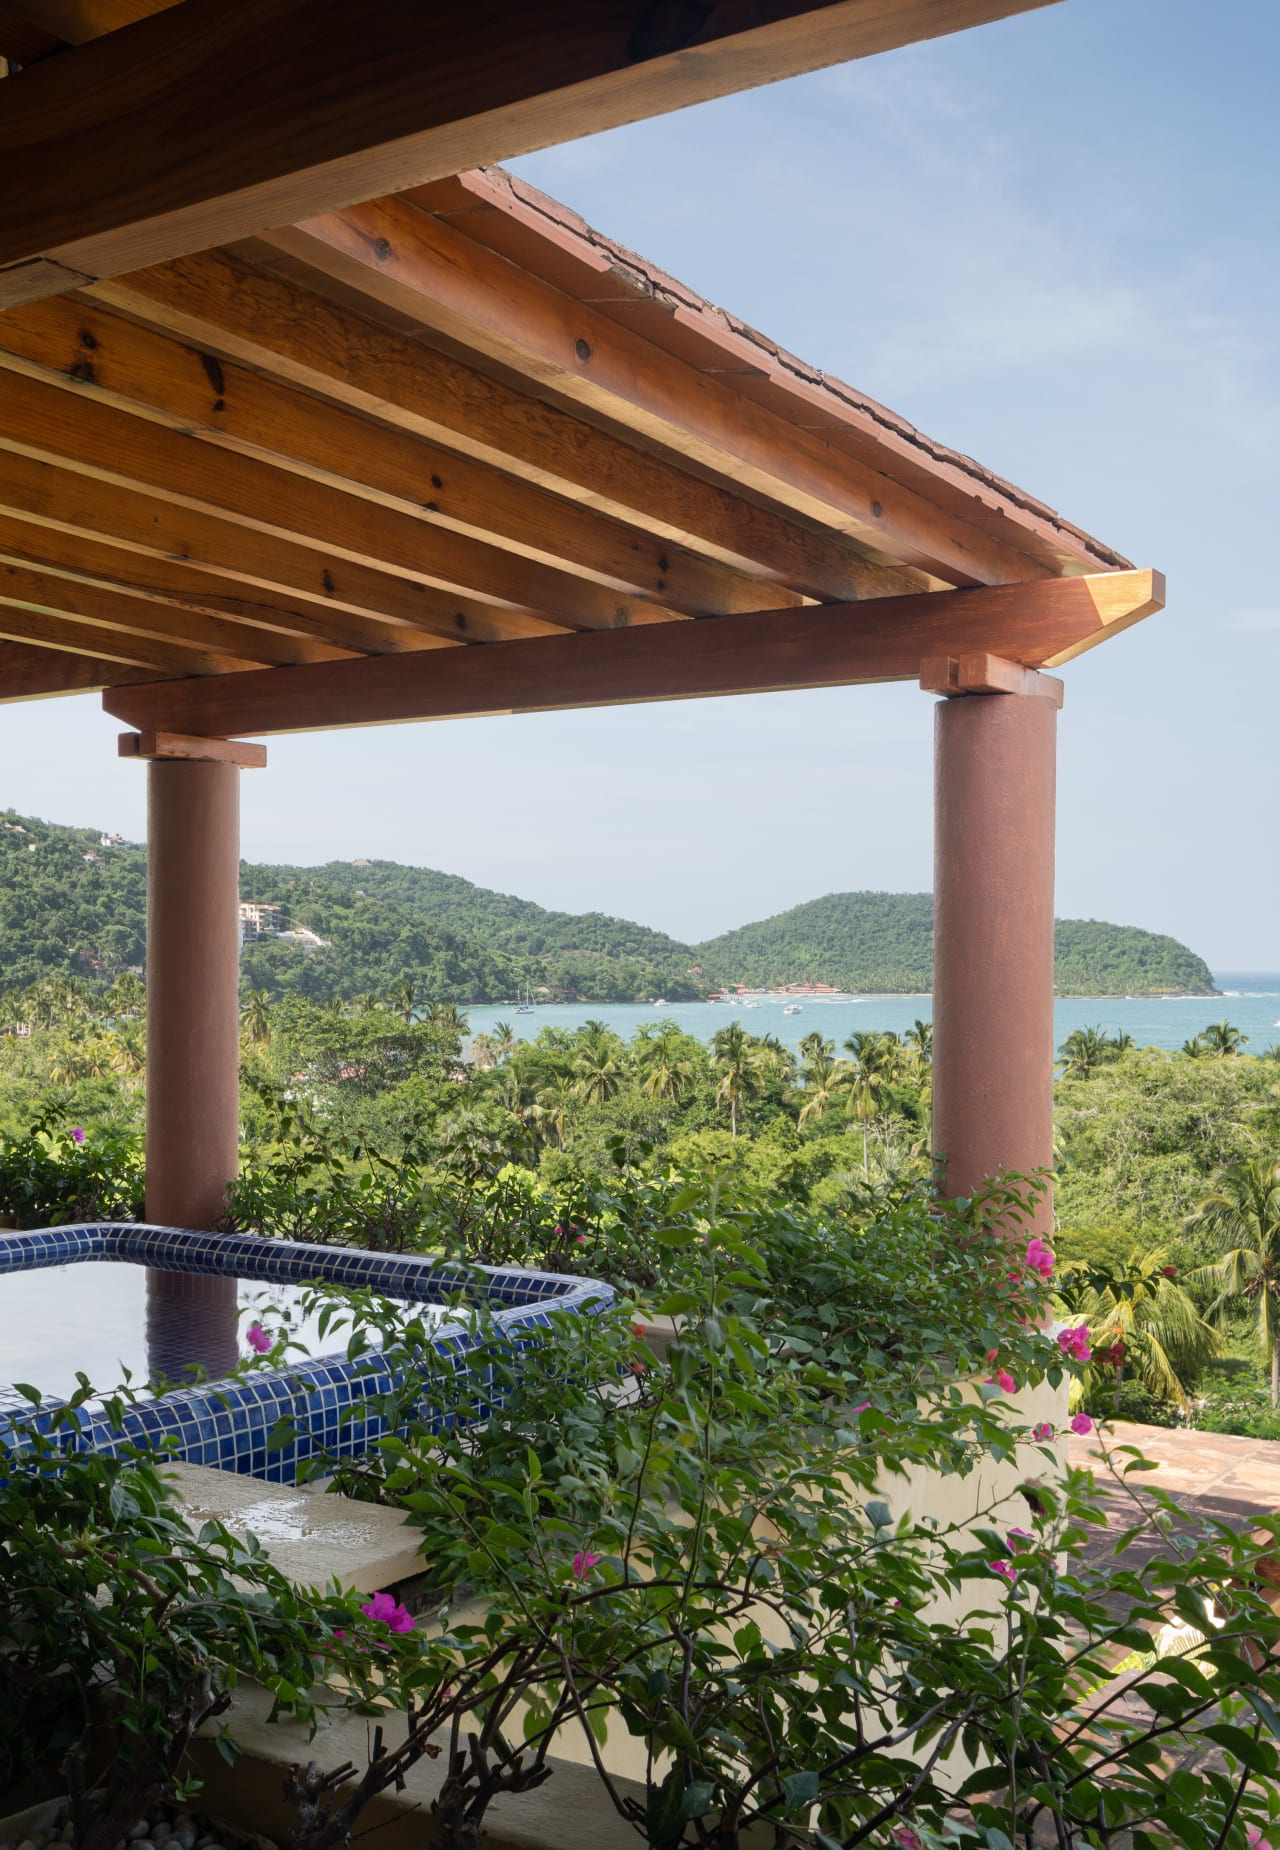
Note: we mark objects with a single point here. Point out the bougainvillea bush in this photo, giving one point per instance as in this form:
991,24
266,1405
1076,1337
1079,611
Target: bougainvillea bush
710,1552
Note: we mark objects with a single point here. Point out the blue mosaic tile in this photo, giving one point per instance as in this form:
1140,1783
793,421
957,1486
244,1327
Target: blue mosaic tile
228,1424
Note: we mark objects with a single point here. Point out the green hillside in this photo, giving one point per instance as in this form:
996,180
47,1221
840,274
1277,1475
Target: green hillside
72,904
884,941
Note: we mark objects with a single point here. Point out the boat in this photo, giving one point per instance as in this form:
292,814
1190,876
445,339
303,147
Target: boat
661,1003
793,1008
525,1004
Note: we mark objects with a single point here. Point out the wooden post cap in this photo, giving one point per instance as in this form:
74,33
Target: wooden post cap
180,745
951,675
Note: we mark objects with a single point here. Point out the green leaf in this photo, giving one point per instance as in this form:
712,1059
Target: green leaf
800,1789
698,1799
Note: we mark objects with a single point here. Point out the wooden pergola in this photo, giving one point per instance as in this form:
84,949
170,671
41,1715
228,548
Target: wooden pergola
310,416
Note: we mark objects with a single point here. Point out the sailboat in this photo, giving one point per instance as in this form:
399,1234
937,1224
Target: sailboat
525,1004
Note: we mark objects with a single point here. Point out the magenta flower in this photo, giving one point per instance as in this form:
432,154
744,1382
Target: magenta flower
1020,1538
384,1610
1005,1569
583,1564
1075,1343
1040,1258
77,1133
1082,1424
1003,1380
257,1339
904,1835
581,1238
1041,1431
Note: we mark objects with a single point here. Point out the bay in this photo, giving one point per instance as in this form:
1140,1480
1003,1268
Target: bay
1250,1000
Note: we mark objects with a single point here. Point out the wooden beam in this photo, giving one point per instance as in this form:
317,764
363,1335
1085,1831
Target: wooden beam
23,623
42,674
63,594
103,357
78,21
460,290
824,646
48,424
243,752
271,110
230,308
176,586
955,677
73,503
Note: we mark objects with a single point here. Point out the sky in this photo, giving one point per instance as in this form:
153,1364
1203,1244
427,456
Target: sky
1051,243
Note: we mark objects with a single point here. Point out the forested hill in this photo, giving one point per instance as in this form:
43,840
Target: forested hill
884,941
73,904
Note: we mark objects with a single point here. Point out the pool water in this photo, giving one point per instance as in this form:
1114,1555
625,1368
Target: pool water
92,1319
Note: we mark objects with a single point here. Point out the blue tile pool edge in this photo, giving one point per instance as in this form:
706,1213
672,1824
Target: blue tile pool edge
228,1424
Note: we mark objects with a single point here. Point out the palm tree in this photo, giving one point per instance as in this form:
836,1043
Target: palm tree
919,1040
823,1084
482,1052
1243,1215
1142,1309
744,1064
871,1067
504,1040
402,998
813,1047
255,1020
598,1068
1221,1039
1121,1044
558,1101
1083,1052
664,1071
449,1018
1194,1049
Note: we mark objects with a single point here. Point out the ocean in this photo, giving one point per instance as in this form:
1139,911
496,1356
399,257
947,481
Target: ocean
1250,1000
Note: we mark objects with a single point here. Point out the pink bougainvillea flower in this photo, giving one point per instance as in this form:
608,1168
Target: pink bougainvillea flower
383,1609
1005,1569
1040,1258
580,1238
1256,1840
77,1133
559,1228
639,1329
862,1406
583,1564
1003,1380
257,1338
1041,1431
1020,1538
992,1354
1169,1271
1082,1424
904,1835
1075,1342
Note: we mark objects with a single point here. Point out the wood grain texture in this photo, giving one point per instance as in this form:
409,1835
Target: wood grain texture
243,752
225,306
826,646
20,622
64,594
39,532
28,673
104,357
49,424
458,288
269,110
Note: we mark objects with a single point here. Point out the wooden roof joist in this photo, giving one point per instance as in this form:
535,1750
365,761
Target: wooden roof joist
1040,625
456,424
268,111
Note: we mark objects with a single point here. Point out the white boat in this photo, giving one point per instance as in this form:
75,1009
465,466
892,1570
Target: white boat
661,1003
525,1005
793,1008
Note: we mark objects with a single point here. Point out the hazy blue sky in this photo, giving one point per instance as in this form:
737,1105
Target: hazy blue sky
1052,243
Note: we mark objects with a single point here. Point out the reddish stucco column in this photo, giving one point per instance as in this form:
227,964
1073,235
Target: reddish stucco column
193,959
993,1050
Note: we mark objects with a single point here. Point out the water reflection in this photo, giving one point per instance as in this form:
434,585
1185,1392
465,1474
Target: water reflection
191,1324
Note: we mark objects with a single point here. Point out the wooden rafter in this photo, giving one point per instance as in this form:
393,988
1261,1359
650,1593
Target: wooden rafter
101,356
432,275
1035,624
272,110
223,306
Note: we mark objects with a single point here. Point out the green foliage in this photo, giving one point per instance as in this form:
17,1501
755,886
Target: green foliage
49,1176
62,913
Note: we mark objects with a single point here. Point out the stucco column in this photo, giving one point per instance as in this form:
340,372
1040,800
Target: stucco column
193,974
993,1046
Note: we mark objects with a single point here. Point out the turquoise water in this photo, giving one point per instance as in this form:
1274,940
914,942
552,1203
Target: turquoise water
1251,1001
